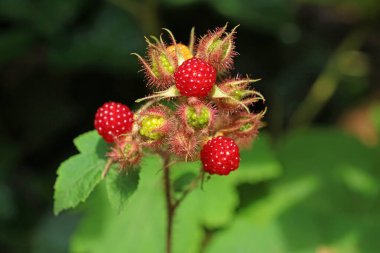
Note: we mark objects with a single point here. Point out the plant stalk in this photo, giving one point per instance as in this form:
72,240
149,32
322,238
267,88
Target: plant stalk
169,204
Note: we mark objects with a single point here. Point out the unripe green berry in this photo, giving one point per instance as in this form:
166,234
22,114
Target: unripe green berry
245,127
164,63
199,120
150,125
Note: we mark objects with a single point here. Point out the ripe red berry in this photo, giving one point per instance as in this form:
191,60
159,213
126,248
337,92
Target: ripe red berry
113,119
195,78
220,155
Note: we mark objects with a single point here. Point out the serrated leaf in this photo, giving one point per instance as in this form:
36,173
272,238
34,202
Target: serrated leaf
120,186
140,229
77,177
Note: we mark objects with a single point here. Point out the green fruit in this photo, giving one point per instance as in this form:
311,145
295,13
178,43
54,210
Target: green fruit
200,120
149,127
245,127
164,63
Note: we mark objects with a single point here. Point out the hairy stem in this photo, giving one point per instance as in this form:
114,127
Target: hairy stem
169,204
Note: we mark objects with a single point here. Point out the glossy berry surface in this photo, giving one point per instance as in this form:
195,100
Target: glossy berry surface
113,119
220,155
195,78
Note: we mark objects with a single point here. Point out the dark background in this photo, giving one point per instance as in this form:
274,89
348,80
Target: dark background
60,60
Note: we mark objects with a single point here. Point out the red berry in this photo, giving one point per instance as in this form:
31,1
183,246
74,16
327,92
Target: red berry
113,119
220,155
195,78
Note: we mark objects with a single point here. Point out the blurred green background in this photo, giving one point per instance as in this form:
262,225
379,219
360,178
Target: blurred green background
316,169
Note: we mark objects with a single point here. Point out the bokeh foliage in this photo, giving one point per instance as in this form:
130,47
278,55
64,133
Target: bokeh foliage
306,186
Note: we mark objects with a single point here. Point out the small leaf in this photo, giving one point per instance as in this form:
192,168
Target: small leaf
120,186
77,177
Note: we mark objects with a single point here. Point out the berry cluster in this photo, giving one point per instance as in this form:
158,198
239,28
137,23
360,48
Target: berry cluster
205,115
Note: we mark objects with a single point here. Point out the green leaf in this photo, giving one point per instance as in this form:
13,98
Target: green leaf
283,197
140,229
339,214
120,186
204,198
77,177
256,228
203,207
92,143
243,237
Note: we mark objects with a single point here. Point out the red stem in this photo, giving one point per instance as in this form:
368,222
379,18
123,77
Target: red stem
169,205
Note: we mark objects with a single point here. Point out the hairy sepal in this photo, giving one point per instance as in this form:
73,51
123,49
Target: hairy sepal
218,48
244,127
235,94
158,133
126,151
195,107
